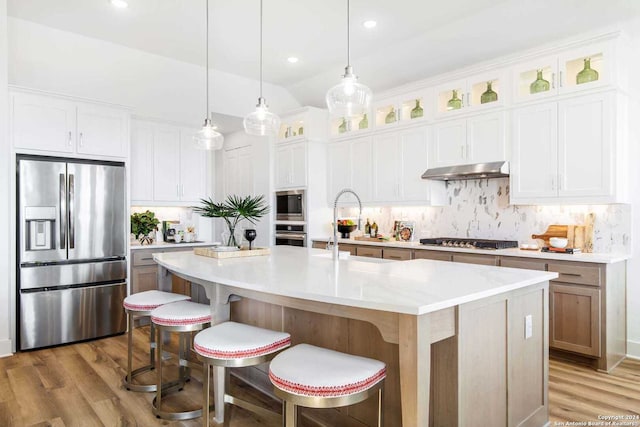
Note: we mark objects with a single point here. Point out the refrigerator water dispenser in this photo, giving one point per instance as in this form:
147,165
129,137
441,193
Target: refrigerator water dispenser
40,222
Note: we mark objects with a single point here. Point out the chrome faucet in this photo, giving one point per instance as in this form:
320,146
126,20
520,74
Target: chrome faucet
335,218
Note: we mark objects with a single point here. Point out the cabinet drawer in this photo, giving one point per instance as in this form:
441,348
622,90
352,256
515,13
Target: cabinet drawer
143,257
435,255
320,245
476,259
396,254
584,274
369,251
347,247
528,264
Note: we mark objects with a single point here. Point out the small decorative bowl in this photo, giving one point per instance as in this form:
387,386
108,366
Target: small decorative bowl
558,242
345,230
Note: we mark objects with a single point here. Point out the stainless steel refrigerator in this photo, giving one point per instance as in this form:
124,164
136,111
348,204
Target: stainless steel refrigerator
71,250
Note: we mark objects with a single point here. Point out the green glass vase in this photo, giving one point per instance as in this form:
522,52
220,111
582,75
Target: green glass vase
587,74
343,126
364,123
539,85
454,103
417,111
391,116
489,95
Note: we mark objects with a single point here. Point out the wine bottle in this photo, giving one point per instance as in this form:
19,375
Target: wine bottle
587,74
374,229
367,228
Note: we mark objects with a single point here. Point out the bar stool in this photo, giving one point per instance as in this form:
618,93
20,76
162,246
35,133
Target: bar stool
316,377
183,317
141,304
232,344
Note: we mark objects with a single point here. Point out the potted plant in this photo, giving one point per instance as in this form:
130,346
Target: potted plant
142,224
232,210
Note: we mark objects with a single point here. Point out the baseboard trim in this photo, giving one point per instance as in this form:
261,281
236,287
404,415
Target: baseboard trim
633,349
5,348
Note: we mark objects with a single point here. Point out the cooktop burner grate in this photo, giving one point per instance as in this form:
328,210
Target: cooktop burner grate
470,243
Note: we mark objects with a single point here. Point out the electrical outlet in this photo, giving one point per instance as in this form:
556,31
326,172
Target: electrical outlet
528,326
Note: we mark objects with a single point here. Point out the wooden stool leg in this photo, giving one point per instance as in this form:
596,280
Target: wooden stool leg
290,415
206,372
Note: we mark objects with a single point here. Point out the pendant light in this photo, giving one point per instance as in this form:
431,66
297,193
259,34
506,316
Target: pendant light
348,98
261,121
208,138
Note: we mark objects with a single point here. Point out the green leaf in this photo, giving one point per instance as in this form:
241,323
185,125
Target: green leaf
143,223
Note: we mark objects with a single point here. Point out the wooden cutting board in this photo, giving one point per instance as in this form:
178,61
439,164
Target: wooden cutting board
554,230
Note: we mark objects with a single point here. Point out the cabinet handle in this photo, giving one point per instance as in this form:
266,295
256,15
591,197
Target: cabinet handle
468,99
69,140
182,190
553,80
560,182
81,141
560,78
553,184
462,96
178,190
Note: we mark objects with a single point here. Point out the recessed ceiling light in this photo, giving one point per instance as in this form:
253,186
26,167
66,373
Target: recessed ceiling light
292,59
121,4
369,24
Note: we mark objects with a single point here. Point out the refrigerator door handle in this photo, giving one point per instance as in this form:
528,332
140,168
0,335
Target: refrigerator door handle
72,222
63,212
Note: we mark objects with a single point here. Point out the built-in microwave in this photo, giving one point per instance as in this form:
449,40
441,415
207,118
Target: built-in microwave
290,205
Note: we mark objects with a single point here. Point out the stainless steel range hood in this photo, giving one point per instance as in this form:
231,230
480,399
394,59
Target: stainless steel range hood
474,171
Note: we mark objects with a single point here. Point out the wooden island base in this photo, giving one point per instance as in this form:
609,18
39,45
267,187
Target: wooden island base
478,355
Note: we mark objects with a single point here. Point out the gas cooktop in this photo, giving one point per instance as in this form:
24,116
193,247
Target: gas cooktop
456,242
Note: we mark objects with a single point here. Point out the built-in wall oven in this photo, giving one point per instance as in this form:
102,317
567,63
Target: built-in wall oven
291,235
290,205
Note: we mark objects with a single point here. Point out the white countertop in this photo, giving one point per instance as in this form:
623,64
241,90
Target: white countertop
412,287
593,257
136,245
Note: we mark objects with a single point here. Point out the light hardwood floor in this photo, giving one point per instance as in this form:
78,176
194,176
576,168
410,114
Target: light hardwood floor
81,385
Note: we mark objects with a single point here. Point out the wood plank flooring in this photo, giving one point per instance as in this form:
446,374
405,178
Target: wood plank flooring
81,385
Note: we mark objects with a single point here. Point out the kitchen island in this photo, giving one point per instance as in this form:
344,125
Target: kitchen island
464,344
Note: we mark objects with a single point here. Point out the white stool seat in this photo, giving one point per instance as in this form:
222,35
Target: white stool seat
149,300
307,370
231,340
181,313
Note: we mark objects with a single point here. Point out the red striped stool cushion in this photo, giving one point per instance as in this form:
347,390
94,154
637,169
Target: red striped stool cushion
148,300
307,370
181,313
231,340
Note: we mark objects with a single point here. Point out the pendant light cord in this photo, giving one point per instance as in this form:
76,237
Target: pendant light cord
348,35
207,61
261,49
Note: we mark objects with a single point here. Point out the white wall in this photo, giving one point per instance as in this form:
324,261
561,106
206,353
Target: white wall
5,288
49,59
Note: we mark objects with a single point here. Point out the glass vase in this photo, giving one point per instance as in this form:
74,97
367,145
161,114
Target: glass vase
454,103
587,74
417,111
539,85
391,116
230,238
489,95
364,123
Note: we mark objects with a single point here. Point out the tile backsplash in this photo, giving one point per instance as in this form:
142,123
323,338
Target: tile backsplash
480,209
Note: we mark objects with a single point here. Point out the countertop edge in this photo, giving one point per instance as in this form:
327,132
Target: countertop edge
170,245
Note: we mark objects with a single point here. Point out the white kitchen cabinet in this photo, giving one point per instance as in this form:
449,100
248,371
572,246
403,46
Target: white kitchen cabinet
400,109
63,125
291,165
386,161
165,165
238,172
361,167
477,139
563,152
472,93
339,168
561,71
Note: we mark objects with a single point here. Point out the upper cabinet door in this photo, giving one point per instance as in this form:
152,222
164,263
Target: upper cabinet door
486,138
361,167
193,169
339,172
536,79
141,167
386,160
102,131
283,166
585,146
585,67
298,164
413,162
43,123
534,152
451,98
449,143
166,163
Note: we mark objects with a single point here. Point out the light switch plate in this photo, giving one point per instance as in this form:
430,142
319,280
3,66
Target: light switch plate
528,326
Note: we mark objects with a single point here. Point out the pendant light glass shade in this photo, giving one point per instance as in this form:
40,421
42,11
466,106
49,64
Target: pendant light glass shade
261,122
208,138
349,98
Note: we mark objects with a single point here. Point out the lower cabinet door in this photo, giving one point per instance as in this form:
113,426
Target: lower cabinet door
574,323
369,251
144,278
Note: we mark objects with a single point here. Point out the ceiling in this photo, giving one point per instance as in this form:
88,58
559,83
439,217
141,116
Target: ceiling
414,39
